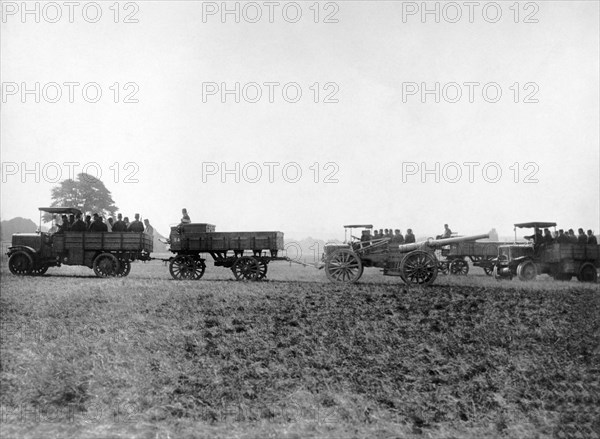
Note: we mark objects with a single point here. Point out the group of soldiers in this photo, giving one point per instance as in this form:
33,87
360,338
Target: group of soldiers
95,223
562,237
394,235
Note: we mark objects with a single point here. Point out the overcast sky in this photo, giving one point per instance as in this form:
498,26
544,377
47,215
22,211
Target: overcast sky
369,142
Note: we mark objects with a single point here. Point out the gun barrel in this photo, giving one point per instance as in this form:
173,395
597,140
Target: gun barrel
435,243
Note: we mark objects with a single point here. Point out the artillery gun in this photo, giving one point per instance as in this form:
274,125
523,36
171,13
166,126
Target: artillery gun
415,263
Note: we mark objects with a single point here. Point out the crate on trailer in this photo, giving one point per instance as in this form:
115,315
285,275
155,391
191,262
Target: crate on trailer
197,228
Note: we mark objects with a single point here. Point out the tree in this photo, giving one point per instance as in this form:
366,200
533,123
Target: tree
87,194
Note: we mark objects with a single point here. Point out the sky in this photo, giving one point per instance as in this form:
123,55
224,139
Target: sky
333,121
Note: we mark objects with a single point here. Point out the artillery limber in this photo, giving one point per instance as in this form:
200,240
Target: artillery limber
415,263
247,254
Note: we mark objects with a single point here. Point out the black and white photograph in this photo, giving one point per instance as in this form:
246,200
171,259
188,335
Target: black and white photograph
300,219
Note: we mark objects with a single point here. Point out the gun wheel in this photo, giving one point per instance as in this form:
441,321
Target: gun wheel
247,268
419,268
106,265
184,267
20,263
343,266
488,270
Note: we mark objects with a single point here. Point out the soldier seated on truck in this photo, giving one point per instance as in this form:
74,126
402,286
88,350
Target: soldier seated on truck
366,236
409,237
119,225
98,225
78,225
136,226
591,238
548,239
581,236
64,225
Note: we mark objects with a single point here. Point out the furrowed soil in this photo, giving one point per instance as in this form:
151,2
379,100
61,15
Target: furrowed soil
296,356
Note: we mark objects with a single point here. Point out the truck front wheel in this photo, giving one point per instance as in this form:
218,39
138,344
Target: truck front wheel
20,263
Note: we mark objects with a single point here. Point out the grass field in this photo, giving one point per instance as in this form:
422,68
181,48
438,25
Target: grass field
296,356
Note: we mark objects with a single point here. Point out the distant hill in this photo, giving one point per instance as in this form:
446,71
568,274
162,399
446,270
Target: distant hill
16,225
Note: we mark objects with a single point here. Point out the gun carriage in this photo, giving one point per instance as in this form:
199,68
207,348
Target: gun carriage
108,254
415,263
247,254
561,261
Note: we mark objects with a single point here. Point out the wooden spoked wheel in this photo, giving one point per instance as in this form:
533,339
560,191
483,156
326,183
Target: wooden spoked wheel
124,267
262,269
459,267
587,273
38,270
419,268
444,267
106,265
185,267
247,268
343,266
20,263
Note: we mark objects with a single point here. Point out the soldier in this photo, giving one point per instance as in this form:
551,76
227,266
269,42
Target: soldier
581,236
88,222
110,223
98,225
562,238
591,238
64,225
136,226
185,218
398,238
572,237
409,237
149,228
548,239
119,225
126,222
381,235
71,220
78,225
366,236
447,232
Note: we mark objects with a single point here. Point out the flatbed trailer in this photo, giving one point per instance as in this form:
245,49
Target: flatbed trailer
480,253
247,254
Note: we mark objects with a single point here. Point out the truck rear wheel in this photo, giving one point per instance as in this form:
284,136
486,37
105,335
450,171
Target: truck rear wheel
106,265
587,273
20,263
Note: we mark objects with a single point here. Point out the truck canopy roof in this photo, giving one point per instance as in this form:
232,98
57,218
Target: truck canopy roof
356,226
538,224
69,210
